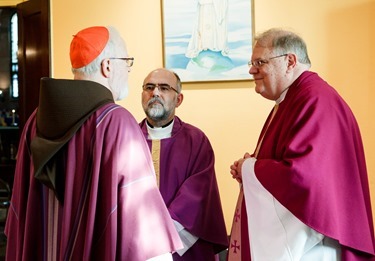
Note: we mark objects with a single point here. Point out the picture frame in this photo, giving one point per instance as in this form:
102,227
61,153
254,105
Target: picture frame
208,40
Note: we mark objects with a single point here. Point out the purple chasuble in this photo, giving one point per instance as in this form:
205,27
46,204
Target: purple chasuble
189,188
111,210
312,161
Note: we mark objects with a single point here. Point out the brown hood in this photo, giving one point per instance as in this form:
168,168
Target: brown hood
64,105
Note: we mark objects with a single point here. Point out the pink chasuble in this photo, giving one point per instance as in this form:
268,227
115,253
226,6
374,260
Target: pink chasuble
101,218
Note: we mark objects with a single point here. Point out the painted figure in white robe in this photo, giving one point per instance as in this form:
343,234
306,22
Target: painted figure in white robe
210,28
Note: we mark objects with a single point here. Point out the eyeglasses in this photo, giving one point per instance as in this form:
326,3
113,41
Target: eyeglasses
129,60
260,62
163,87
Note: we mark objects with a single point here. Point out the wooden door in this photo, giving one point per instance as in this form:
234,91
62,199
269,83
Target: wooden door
34,53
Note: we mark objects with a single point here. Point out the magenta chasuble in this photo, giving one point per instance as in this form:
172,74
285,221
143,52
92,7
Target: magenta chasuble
312,161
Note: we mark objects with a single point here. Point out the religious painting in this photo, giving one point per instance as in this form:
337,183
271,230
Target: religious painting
208,40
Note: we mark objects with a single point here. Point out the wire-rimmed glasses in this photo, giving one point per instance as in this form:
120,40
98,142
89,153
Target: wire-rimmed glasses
260,62
129,60
163,87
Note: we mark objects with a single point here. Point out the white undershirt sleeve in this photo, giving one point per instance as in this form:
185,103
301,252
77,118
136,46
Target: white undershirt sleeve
274,232
187,238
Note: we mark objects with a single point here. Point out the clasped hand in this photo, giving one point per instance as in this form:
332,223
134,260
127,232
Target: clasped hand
236,168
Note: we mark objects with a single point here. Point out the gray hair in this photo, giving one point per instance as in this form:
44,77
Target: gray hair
178,81
111,50
283,41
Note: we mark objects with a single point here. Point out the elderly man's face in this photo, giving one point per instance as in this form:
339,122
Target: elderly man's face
269,72
119,82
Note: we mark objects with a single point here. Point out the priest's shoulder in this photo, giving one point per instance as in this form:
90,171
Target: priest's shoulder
189,129
117,113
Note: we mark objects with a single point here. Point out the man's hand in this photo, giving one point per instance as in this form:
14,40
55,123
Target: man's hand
236,168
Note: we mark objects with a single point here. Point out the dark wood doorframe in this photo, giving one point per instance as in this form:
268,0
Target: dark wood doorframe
33,53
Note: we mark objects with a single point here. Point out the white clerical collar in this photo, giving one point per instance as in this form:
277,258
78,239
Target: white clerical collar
282,96
158,133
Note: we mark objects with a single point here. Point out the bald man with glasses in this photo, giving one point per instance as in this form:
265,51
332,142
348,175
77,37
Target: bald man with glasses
184,165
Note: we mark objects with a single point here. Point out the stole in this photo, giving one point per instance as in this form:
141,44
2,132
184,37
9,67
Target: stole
239,244
155,152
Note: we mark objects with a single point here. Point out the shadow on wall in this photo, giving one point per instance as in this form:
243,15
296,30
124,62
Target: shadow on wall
351,40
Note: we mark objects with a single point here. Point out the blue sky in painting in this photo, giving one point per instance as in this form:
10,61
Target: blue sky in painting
178,22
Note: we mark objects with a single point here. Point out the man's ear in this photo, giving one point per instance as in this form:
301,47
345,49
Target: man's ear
292,60
106,67
180,98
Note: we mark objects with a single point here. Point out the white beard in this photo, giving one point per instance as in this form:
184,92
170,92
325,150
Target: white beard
156,111
123,93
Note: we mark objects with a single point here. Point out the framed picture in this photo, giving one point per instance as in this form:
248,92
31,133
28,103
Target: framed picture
208,40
